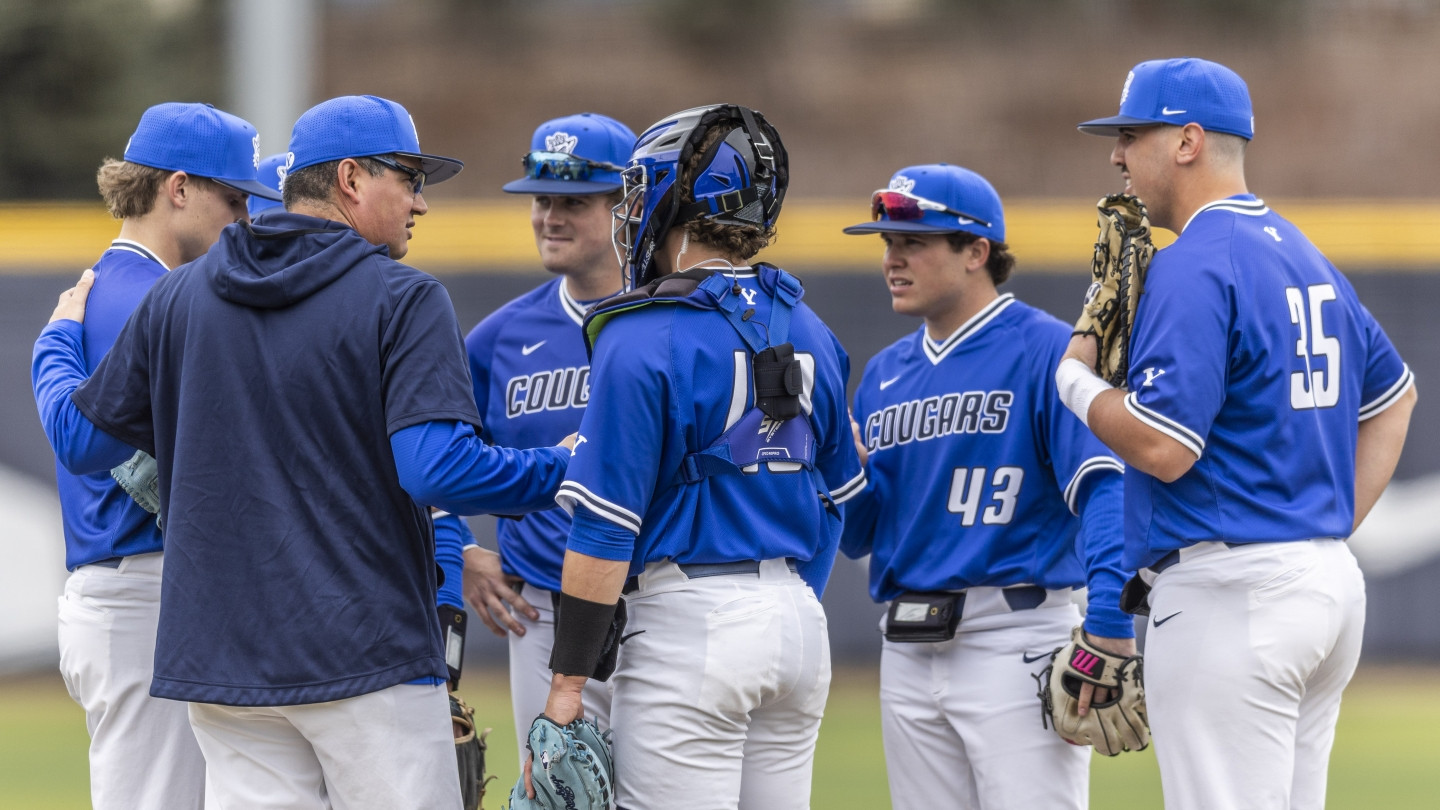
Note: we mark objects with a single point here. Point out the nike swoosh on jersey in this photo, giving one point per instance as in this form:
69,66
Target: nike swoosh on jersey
1159,622
526,350
887,383
1030,660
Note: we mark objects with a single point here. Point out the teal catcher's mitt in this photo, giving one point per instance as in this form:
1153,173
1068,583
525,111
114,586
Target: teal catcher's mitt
571,768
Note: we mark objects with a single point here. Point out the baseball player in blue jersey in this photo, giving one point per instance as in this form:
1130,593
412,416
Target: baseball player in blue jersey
303,394
977,475
531,374
185,175
711,459
1265,414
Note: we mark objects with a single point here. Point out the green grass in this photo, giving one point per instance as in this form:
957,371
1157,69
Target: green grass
1387,751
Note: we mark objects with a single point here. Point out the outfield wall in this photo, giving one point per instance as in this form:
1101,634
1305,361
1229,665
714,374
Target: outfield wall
1399,547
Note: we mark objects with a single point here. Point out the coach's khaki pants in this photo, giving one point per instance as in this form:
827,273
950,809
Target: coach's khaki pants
386,750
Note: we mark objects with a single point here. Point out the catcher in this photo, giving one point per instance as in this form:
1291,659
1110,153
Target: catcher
990,503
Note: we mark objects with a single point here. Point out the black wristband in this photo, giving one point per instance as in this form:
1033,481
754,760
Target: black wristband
581,629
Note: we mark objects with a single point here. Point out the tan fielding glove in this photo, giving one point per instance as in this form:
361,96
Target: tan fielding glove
1122,255
1111,726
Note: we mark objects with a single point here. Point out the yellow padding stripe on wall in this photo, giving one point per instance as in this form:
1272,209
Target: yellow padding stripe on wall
1046,235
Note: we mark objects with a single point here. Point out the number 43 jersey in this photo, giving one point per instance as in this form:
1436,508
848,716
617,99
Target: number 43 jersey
976,469
1252,351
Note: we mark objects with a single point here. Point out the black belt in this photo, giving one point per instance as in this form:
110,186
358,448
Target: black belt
1174,557
108,562
700,570
1024,597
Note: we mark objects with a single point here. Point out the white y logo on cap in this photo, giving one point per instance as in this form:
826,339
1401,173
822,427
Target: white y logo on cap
561,142
902,184
1125,92
413,130
282,171
255,142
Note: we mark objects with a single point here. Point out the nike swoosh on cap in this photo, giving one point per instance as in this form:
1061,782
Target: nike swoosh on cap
1168,111
526,350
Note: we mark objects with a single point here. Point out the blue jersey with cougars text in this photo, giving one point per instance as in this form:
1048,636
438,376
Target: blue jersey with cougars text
101,520
1252,351
977,470
532,382
669,379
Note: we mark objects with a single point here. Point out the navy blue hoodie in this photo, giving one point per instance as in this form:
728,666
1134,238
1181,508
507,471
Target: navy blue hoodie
266,378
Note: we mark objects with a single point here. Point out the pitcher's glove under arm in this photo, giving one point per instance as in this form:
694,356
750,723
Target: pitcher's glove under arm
1117,271
469,753
1116,724
140,478
571,768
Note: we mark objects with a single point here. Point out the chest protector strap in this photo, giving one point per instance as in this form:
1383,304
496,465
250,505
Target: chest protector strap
769,432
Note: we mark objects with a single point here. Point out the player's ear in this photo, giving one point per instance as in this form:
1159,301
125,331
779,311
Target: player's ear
177,189
1189,144
977,254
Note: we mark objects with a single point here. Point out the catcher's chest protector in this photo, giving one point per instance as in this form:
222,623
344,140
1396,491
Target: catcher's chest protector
769,432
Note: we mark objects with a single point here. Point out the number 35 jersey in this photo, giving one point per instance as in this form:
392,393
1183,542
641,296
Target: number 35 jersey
976,469
1252,351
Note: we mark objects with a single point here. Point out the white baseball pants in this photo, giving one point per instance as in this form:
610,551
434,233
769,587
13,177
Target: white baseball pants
142,752
719,693
386,750
530,671
1248,651
962,718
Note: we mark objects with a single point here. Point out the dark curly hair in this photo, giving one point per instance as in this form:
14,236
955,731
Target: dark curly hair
740,241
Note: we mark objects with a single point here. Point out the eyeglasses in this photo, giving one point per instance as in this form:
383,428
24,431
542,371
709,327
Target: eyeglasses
563,166
415,176
902,206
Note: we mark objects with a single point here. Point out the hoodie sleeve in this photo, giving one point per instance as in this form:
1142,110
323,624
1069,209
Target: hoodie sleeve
426,376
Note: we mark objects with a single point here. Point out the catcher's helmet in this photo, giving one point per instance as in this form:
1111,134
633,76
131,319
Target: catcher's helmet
741,181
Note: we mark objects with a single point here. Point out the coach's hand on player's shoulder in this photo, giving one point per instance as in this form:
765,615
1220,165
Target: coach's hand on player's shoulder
71,306
569,442
1084,348
1115,646
488,590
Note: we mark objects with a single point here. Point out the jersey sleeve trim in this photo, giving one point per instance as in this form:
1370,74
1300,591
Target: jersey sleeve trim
849,489
1390,397
570,494
1090,465
1187,437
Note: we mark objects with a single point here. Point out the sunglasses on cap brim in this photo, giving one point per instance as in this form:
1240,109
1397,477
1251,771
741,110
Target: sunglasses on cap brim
900,206
563,166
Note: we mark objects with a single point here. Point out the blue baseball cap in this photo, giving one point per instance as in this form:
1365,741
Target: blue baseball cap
587,139
200,140
362,126
936,198
271,173
1180,92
